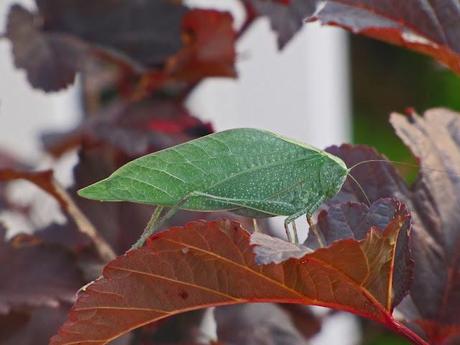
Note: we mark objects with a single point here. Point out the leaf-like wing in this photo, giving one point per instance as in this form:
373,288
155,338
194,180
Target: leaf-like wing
244,166
212,263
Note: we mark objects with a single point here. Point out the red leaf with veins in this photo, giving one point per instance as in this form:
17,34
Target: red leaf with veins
211,263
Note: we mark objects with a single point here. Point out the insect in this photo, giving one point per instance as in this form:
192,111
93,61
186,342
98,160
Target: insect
250,172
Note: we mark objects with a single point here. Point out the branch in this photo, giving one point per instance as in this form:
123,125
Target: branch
45,181
84,225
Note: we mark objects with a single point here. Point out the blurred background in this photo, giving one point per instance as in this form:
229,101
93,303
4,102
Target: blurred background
325,87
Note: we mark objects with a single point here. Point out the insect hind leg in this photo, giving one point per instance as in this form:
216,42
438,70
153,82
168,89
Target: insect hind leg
308,212
292,237
155,222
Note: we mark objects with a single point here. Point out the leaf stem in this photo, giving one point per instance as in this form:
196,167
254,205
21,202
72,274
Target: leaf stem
405,331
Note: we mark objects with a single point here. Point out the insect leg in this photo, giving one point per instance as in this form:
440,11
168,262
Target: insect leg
155,222
155,217
318,235
256,226
296,237
308,212
154,225
289,220
288,231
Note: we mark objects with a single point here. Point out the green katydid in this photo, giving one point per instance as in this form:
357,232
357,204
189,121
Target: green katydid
250,172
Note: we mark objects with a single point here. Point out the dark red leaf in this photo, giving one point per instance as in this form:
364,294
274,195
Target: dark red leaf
208,51
31,327
59,41
209,46
182,329
211,264
42,179
135,129
435,142
286,16
379,179
46,182
148,40
430,27
66,235
256,324
55,43
7,161
349,221
51,61
352,220
303,318
34,274
435,206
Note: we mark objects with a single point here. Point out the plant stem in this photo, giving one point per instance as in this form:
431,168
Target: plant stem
104,250
407,332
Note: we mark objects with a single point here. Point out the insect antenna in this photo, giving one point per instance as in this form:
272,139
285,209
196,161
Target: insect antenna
374,161
394,162
412,165
360,187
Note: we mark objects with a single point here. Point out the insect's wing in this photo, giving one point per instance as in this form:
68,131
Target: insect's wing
240,168
166,177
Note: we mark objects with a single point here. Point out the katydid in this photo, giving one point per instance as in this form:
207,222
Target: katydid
250,172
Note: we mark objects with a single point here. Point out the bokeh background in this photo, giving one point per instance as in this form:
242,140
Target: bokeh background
326,87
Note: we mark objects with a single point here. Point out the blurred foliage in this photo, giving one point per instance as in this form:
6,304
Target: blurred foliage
389,79
375,334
